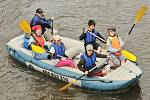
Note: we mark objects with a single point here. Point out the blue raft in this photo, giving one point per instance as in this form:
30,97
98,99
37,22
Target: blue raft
118,79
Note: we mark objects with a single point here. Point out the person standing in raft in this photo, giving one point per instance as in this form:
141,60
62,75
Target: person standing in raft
57,49
87,62
91,39
114,45
39,19
39,41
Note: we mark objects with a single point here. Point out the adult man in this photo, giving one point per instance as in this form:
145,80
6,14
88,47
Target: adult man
39,19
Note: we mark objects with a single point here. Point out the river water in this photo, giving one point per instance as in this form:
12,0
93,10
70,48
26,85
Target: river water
20,83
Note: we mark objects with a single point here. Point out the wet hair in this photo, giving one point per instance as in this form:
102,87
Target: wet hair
112,29
39,11
91,22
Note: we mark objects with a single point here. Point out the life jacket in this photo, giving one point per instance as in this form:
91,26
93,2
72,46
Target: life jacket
40,40
36,20
90,38
115,44
59,49
89,61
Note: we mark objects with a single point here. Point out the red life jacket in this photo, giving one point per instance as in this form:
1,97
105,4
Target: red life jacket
40,40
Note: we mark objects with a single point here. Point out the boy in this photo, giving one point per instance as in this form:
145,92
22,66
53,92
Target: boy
91,39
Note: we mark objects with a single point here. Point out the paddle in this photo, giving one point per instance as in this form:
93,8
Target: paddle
75,80
138,17
37,49
27,29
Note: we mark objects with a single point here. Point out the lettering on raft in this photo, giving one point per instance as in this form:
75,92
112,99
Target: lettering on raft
54,75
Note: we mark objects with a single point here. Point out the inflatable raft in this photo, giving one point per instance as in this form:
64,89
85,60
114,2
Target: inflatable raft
117,79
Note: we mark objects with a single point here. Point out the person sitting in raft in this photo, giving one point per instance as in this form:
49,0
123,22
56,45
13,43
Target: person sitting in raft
114,45
87,62
26,41
91,39
57,49
39,41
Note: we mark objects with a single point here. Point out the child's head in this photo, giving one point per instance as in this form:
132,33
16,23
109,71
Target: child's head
57,39
91,25
89,49
37,29
111,31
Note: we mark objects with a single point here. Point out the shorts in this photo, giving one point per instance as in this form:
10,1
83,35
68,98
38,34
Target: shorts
117,60
42,56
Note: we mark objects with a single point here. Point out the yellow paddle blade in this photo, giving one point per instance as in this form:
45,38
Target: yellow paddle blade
25,26
129,55
37,49
68,85
140,13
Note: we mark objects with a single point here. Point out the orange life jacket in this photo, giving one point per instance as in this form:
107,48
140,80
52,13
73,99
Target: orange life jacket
116,44
40,40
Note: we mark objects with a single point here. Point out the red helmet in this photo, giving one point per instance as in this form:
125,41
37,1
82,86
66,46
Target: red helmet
36,27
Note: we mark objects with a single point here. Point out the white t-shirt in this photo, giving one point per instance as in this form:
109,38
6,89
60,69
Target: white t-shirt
52,50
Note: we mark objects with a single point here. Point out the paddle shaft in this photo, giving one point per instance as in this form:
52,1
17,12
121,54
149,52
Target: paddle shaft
92,69
129,32
131,29
35,39
89,71
96,36
52,29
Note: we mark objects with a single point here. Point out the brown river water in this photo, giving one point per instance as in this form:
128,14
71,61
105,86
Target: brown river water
20,83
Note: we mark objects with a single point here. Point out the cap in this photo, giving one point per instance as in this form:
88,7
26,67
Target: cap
89,47
112,29
36,27
56,37
39,10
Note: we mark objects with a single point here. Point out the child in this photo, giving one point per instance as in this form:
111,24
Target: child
114,45
91,39
39,40
57,49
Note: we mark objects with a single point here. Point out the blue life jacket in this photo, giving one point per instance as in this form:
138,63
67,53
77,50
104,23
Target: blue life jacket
59,50
26,43
89,61
90,38
36,20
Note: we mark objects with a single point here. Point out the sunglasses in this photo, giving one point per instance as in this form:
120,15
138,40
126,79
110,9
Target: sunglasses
90,50
109,31
59,40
